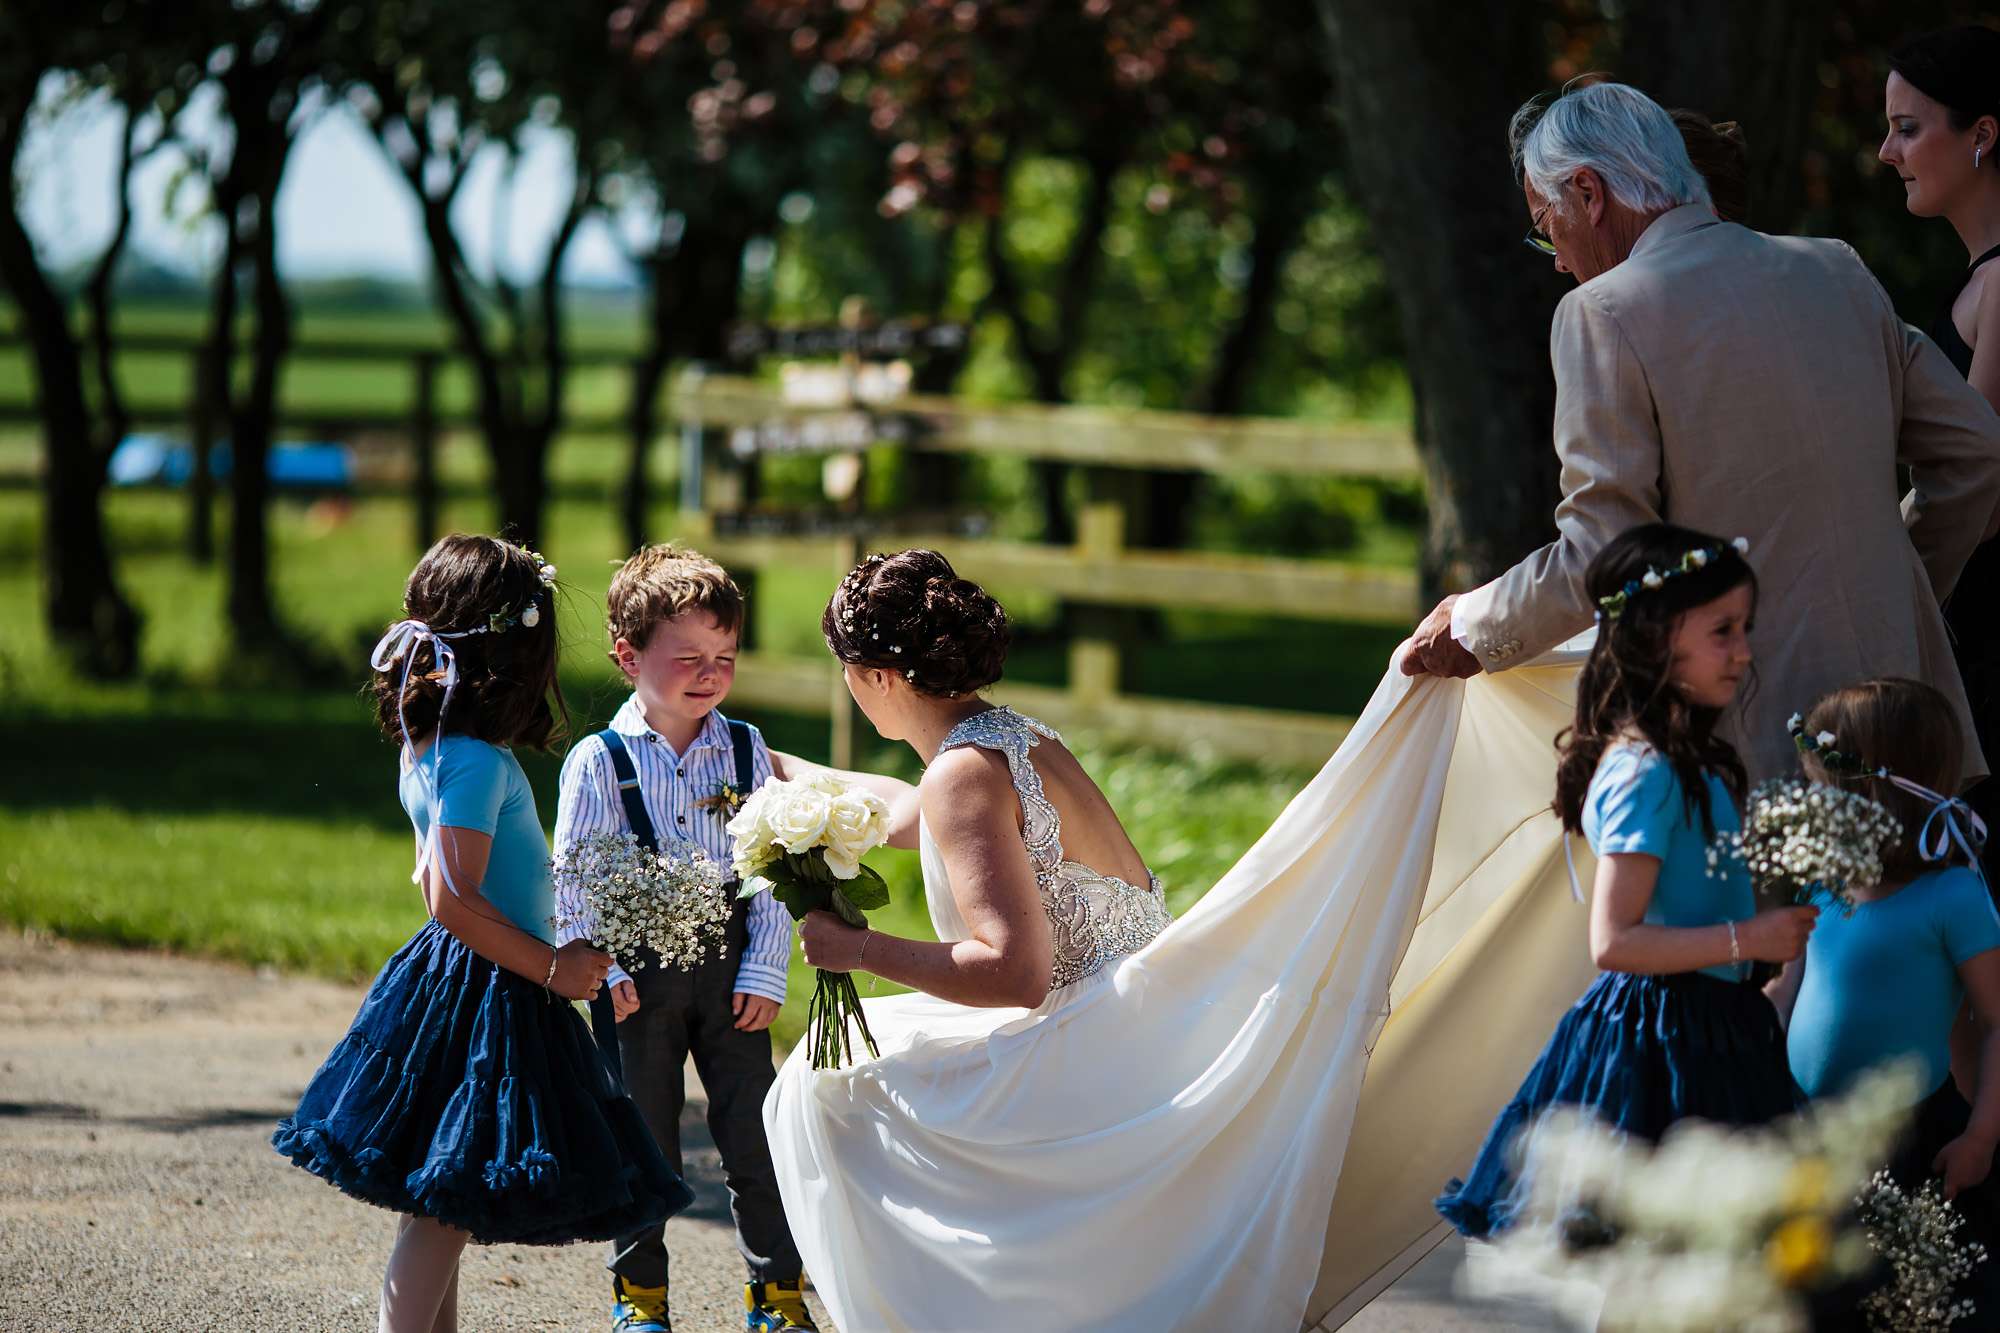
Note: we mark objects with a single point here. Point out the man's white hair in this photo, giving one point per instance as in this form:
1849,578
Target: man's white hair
1617,131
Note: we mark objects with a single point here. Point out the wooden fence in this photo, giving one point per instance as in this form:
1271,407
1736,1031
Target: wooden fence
1099,570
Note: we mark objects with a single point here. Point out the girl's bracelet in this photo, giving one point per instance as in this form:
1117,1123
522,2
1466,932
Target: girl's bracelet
1735,950
549,980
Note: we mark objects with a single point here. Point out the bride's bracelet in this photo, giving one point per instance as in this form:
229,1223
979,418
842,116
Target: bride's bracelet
549,980
866,935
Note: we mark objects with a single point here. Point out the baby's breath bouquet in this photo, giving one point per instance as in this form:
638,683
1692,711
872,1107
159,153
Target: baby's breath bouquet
1717,1228
1917,1236
804,840
1800,838
631,898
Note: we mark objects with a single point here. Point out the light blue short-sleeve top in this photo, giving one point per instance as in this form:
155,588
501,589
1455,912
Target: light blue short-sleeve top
1635,806
481,787
1882,982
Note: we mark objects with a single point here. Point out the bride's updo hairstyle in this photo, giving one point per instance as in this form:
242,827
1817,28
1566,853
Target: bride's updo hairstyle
912,614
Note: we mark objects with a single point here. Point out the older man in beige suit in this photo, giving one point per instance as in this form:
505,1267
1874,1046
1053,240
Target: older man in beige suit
1742,384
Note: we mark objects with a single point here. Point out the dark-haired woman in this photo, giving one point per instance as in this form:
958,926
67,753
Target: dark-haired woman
468,1095
1943,107
1674,1026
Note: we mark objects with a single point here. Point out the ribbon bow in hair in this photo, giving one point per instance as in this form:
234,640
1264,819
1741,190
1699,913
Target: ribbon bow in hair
1951,823
401,640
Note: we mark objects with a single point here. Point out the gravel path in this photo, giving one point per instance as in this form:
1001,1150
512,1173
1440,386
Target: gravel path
138,1190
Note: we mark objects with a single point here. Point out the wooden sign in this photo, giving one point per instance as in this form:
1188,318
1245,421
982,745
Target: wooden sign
875,342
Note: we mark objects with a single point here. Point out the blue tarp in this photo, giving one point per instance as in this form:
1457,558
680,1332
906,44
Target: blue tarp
156,460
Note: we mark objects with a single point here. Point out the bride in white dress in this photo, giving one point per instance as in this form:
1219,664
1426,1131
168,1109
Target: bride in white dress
1085,1119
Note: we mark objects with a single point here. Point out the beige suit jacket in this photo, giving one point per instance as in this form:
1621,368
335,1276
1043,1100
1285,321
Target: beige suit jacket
1761,386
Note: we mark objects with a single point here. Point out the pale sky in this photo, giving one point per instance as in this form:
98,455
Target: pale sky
342,209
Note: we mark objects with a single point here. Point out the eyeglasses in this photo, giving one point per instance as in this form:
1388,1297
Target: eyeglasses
1536,239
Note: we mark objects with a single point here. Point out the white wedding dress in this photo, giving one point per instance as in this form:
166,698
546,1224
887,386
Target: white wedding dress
1157,1145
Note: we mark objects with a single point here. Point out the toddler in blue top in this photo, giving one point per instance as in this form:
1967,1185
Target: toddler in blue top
1889,980
468,1095
1672,1027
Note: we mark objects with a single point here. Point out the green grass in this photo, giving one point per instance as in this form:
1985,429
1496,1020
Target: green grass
210,809
314,386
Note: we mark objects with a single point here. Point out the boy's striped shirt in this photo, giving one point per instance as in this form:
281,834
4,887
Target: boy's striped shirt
672,784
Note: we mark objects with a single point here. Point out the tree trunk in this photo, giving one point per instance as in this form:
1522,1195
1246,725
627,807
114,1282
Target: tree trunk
215,404
518,436
934,480
202,411
1286,203
1048,353
89,618
648,372
1426,90
1757,64
518,460
253,615
696,294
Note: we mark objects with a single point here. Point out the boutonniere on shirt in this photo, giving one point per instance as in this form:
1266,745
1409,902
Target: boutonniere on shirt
725,800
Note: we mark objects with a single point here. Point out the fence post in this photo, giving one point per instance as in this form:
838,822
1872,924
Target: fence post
423,446
847,719
201,476
1094,646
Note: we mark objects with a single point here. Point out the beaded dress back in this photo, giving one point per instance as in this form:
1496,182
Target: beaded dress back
1096,918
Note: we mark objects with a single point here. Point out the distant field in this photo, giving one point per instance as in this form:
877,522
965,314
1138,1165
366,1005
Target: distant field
320,386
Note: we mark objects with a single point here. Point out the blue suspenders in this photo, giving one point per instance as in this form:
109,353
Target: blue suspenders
603,1018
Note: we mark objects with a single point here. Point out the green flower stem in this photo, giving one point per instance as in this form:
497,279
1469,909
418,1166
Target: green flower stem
834,999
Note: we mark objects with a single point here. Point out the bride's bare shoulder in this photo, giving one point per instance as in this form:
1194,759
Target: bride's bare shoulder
965,771
967,784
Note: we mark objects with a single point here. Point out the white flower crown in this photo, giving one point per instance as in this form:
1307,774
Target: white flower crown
1612,607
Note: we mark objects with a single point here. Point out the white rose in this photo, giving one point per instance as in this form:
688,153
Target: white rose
1699,559
855,824
745,822
1652,579
1742,545
823,782
797,817
1826,738
751,849
1795,722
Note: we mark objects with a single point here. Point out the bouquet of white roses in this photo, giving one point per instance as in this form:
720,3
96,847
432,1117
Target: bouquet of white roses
630,898
1801,836
803,840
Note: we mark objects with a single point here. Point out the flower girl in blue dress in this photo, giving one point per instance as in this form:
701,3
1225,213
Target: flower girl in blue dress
1891,977
1673,1027
468,1095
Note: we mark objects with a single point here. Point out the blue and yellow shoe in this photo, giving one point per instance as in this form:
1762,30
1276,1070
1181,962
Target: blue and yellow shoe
772,1306
639,1309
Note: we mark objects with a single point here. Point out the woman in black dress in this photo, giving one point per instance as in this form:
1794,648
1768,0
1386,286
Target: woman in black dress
1943,108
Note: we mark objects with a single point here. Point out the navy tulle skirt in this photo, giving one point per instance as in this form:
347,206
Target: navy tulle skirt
467,1094
1640,1052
